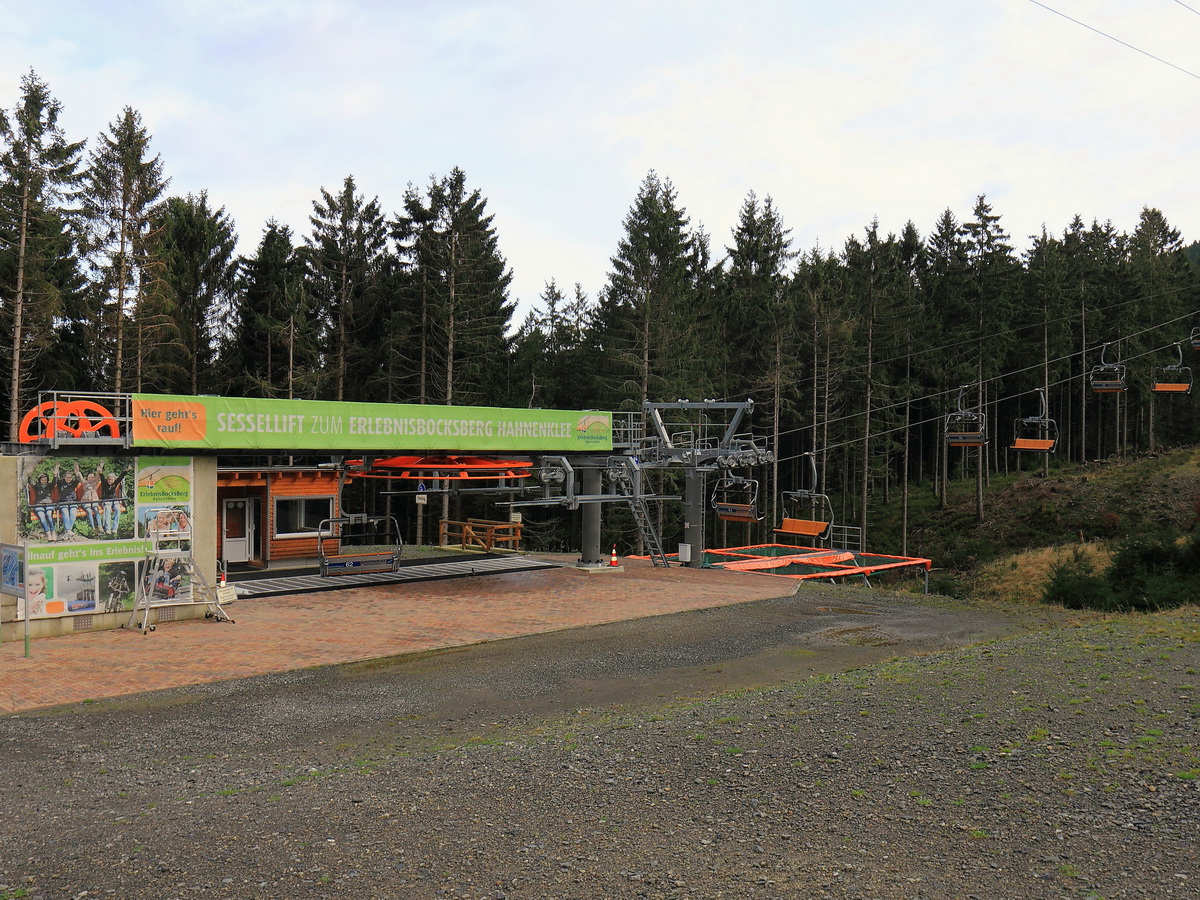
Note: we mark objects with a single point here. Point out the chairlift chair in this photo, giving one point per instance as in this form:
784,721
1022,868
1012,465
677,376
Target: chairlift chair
358,543
807,513
966,427
1196,338
1036,434
1106,377
1172,379
736,499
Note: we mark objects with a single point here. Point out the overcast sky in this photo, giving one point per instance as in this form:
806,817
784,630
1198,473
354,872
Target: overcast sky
841,110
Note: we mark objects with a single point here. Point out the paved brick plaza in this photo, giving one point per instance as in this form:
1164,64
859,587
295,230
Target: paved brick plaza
298,631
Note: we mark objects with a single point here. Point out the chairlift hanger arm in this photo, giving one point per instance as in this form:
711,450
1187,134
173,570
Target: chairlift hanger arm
817,524
735,498
1172,379
965,427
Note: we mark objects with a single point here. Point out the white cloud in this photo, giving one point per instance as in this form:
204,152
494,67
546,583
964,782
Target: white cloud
556,111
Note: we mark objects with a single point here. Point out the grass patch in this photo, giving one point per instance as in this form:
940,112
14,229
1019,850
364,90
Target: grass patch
1022,577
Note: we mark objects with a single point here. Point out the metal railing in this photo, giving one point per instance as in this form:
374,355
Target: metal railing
69,418
846,537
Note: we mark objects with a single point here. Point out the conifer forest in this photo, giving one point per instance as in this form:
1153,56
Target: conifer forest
861,354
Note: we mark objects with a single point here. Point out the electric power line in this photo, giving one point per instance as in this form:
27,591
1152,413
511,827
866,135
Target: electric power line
988,381
1117,39
973,341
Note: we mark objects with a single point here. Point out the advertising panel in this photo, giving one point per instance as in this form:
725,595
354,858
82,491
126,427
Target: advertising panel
218,423
86,523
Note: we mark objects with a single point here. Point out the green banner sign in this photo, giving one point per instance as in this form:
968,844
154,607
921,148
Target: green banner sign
229,423
50,554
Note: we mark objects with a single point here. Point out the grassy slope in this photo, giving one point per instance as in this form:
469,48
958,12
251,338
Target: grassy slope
1031,521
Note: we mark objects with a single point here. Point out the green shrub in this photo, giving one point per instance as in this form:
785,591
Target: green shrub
1149,572
1074,585
947,583
1145,555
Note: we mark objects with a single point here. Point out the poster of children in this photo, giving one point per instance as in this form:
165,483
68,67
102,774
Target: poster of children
164,496
75,499
39,587
169,582
165,522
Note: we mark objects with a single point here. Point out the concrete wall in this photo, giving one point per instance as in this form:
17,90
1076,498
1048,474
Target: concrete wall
204,515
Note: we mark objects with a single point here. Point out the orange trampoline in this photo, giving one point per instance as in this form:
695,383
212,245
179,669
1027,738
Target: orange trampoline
810,563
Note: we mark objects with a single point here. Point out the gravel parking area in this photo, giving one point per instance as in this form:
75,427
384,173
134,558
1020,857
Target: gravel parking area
841,743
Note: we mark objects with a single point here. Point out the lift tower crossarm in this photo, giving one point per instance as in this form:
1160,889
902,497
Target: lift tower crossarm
728,443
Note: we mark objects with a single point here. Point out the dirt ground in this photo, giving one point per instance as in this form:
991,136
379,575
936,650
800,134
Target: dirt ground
840,743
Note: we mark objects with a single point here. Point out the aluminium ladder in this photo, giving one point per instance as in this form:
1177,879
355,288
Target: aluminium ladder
159,579
626,474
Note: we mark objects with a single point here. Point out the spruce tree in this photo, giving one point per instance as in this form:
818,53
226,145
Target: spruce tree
648,320
414,235
547,363
993,284
273,349
344,255
911,330
457,282
945,286
1092,257
759,325
1160,276
124,187
476,308
39,174
195,244
876,282
755,319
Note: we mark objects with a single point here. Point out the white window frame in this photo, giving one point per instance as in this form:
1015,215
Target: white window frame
311,532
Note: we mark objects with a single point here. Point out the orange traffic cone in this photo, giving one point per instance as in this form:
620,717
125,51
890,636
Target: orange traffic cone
613,561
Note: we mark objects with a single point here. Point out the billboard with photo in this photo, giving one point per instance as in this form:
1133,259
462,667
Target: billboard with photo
87,524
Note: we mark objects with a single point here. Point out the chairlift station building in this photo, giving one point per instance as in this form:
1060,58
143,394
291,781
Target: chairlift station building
103,488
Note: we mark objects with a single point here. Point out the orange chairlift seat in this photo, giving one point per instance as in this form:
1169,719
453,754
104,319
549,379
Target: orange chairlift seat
966,427
736,499
1036,434
1106,377
807,513
1172,379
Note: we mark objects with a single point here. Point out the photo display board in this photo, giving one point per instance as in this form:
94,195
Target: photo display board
87,522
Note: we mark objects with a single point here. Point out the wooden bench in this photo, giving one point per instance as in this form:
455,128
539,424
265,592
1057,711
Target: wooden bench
804,528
